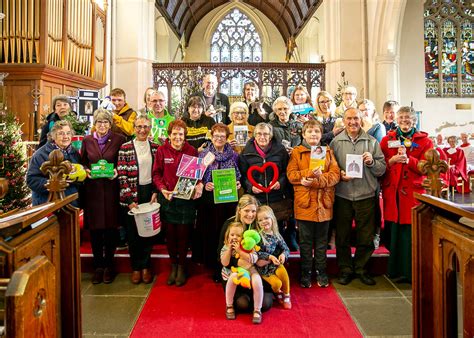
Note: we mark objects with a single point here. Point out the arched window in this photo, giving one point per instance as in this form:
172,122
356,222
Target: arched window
449,48
235,40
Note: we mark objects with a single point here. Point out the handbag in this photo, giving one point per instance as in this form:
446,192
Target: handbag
283,209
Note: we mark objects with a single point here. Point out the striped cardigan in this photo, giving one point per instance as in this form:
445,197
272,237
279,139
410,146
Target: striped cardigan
128,172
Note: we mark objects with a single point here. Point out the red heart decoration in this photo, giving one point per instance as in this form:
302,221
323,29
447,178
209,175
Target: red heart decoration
262,170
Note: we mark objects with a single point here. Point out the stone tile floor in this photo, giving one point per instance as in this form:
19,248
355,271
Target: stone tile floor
383,310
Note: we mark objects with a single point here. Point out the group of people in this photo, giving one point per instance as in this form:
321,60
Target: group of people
280,188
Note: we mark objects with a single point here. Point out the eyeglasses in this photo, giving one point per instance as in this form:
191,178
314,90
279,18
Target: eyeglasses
64,133
239,113
103,122
219,137
348,93
262,134
142,127
156,101
325,102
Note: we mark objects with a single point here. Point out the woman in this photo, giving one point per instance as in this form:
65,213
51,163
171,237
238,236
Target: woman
177,215
60,138
135,164
349,100
208,225
314,199
61,107
198,124
403,149
325,109
371,122
239,114
246,213
300,95
286,130
457,165
100,197
258,109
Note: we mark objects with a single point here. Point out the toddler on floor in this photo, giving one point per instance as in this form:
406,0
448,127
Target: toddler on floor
233,237
272,255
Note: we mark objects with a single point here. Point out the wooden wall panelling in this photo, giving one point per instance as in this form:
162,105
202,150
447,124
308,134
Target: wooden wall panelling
20,103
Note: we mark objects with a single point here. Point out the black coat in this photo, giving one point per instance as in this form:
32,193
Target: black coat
250,157
218,99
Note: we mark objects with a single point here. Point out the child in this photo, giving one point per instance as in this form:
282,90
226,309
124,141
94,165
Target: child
233,237
275,251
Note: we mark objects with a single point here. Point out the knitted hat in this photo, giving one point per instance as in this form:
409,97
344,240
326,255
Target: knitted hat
63,98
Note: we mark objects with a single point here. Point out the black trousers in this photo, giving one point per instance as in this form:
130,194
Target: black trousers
363,212
313,235
139,247
104,243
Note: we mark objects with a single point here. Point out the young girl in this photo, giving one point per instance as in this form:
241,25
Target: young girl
233,237
275,252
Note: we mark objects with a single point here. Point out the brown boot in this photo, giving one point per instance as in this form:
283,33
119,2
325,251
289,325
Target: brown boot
172,277
181,276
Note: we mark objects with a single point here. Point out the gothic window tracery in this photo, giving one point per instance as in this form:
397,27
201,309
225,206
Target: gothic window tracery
449,48
235,40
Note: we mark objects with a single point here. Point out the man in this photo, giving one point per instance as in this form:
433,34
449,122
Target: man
355,198
468,150
349,99
259,111
123,115
217,104
159,116
389,109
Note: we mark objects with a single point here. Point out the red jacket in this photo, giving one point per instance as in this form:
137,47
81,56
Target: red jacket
166,165
402,180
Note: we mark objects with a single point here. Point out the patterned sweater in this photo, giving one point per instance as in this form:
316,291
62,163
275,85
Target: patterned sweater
128,172
271,245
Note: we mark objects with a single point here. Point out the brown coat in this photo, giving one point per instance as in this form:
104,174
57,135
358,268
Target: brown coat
100,197
312,203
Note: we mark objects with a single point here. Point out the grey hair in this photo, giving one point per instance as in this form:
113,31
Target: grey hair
141,117
57,126
262,125
409,110
102,114
282,99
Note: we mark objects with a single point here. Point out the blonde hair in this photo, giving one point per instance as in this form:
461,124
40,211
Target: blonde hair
230,226
327,95
244,201
268,211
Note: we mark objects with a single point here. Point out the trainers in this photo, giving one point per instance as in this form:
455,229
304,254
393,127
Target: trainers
286,302
305,281
322,280
376,241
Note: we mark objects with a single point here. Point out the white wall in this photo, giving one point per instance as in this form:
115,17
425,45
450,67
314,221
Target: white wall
436,111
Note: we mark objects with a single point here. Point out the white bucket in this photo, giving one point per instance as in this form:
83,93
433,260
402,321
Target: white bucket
147,219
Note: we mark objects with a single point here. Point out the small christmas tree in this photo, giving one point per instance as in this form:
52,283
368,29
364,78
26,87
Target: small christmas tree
340,87
13,163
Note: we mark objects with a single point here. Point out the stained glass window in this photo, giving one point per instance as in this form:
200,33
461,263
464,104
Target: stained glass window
235,40
449,48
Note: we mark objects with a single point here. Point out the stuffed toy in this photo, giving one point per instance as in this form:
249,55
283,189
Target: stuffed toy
249,242
77,174
243,277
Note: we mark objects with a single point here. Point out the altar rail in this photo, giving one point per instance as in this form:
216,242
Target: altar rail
271,78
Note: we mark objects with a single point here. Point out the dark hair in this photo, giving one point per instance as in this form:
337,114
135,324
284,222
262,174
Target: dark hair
117,92
304,90
312,124
220,127
195,100
250,84
177,124
389,104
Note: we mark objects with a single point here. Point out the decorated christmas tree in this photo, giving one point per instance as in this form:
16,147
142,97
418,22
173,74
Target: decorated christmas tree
13,163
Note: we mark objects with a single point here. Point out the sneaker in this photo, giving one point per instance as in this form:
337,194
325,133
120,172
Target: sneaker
305,281
279,297
286,302
322,280
376,241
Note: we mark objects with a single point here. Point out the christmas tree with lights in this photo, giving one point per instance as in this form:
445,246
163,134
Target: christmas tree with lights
13,161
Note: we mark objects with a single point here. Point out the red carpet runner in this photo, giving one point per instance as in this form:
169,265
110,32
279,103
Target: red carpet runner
198,310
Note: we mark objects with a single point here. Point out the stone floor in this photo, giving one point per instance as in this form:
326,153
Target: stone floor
380,311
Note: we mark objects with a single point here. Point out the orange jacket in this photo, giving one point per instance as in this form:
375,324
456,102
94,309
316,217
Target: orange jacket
313,203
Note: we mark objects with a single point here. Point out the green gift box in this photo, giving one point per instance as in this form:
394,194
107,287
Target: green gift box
102,169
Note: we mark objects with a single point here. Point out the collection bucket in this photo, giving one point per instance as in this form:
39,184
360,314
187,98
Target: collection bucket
147,219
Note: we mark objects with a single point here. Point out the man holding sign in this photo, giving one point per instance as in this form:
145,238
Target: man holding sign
361,161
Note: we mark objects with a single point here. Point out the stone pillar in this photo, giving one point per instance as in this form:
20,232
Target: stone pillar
133,48
387,79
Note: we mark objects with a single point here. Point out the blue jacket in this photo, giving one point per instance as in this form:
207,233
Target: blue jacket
36,179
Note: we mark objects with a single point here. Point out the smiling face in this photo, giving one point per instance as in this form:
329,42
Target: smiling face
405,121
61,108
262,136
63,137
265,222
349,97
367,111
247,214
219,139
300,96
142,129
157,104
250,93
283,112
452,141
324,104
118,101
239,116
235,235
102,127
209,85
195,112
177,138
389,114
312,136
352,122
464,138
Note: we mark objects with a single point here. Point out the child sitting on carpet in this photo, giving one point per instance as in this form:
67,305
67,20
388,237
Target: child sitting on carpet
233,237
274,252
